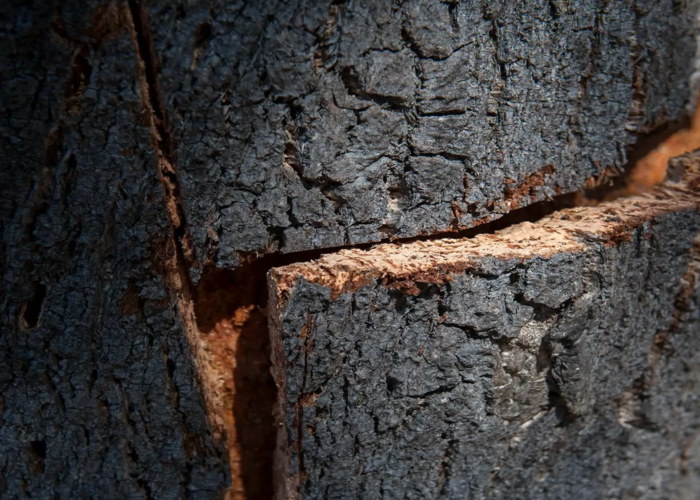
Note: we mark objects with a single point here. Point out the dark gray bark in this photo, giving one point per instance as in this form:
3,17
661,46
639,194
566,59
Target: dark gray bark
137,150
554,360
317,124
98,393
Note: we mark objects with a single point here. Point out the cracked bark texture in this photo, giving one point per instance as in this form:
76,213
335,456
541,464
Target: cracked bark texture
99,396
317,124
138,146
550,360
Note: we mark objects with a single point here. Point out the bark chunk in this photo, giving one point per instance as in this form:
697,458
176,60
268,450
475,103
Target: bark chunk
99,390
520,364
315,124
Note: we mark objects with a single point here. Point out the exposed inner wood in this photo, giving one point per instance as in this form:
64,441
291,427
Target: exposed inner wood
651,169
432,261
233,328
230,307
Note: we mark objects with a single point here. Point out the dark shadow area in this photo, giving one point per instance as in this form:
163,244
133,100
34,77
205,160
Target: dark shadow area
31,312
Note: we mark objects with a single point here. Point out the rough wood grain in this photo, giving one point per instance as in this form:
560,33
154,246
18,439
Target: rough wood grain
321,123
550,360
99,396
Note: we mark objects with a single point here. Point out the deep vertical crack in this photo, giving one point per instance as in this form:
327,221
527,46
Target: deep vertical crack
176,254
161,135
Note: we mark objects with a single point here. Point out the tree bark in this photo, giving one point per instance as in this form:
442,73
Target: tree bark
543,361
159,158
98,390
319,124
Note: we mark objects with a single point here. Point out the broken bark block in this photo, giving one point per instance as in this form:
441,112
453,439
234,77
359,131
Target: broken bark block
554,359
317,124
294,126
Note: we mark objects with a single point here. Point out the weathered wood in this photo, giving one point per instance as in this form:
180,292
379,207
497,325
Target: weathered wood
550,360
321,123
98,391
136,150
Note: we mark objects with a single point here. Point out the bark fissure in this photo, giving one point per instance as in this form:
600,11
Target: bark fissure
178,255
160,130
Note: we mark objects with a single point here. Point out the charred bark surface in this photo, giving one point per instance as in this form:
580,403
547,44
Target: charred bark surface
541,362
99,396
146,142
319,124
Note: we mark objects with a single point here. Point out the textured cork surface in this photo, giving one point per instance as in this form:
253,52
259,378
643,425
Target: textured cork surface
320,123
537,362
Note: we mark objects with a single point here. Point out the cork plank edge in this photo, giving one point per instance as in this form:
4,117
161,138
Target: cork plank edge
568,230
402,266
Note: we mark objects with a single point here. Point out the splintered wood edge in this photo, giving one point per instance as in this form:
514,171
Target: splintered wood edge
568,230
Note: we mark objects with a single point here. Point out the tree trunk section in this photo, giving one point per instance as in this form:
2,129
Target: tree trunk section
98,390
542,361
319,124
159,158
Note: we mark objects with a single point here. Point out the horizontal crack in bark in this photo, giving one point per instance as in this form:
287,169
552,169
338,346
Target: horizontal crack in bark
225,315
